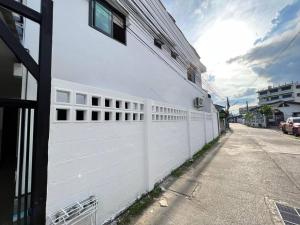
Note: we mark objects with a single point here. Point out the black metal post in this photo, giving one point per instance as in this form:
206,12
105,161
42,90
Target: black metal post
18,7
42,117
19,51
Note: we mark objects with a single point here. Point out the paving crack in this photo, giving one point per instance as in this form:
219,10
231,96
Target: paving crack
180,193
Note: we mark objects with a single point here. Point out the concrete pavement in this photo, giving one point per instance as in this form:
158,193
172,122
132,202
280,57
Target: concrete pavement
237,182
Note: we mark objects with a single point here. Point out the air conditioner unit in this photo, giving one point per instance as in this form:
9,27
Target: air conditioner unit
198,102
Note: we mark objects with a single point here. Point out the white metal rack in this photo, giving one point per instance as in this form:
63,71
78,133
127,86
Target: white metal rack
83,212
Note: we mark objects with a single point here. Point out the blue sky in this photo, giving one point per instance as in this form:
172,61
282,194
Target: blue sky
245,45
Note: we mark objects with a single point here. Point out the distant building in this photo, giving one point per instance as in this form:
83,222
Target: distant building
243,110
283,110
222,117
257,120
287,92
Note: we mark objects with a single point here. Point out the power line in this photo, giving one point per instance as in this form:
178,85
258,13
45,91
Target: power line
156,27
146,45
145,26
160,15
143,21
214,89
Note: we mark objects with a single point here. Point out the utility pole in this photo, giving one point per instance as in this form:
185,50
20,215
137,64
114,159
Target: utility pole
228,105
227,118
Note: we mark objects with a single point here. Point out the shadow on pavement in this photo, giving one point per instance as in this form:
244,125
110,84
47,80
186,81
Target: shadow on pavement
198,166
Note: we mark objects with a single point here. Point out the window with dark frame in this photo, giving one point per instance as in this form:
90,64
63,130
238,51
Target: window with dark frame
263,93
286,88
108,20
287,96
191,75
158,43
274,97
174,55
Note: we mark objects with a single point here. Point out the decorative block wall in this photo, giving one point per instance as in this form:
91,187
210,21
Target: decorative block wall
116,146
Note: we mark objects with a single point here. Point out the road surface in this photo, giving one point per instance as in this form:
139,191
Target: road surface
237,182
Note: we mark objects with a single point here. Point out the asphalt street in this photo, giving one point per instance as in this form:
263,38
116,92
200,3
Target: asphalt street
237,182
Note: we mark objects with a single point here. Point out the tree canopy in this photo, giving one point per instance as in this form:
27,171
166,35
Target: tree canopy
266,110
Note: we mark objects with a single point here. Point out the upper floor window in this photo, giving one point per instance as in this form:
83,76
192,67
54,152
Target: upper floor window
274,97
274,90
287,96
263,93
108,20
286,88
158,43
298,86
174,55
191,74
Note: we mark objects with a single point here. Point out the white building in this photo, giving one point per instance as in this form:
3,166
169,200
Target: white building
283,110
285,92
123,115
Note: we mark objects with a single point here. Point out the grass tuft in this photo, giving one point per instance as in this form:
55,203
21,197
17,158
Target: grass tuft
139,206
184,167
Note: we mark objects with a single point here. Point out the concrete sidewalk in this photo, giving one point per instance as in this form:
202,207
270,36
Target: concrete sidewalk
237,182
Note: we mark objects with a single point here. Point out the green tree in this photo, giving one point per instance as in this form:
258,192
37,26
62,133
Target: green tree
249,116
223,114
266,110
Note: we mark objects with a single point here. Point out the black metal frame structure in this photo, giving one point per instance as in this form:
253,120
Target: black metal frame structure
41,71
18,202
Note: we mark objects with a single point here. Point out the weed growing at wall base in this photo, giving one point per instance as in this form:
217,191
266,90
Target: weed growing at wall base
184,167
146,200
139,206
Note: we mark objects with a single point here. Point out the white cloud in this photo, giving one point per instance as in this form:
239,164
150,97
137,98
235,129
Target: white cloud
221,30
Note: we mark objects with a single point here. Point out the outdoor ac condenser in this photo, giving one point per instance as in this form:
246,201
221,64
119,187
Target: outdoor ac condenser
198,102
83,212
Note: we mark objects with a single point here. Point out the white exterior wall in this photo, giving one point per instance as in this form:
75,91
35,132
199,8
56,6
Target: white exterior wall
197,131
216,128
169,141
288,111
94,158
209,127
84,55
117,161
